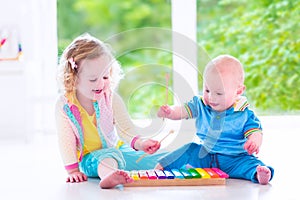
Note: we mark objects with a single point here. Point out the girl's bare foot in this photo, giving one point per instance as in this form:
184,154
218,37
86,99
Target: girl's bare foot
115,178
263,174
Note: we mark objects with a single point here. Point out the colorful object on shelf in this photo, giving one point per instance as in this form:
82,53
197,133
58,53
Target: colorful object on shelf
177,177
19,55
2,42
17,58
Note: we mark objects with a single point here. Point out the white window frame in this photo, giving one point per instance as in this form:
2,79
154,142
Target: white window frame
185,70
184,27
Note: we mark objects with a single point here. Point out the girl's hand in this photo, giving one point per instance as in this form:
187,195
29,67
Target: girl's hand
164,111
253,143
106,113
150,146
76,177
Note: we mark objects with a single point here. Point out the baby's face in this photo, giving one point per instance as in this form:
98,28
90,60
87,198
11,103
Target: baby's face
93,77
219,91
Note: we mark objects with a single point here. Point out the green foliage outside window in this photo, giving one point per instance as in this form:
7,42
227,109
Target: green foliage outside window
264,35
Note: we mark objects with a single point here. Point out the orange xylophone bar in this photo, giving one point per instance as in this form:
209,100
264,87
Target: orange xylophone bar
177,177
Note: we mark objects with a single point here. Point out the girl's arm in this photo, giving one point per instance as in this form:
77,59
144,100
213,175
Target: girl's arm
66,137
126,129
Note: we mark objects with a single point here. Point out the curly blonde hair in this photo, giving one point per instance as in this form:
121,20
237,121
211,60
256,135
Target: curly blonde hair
85,47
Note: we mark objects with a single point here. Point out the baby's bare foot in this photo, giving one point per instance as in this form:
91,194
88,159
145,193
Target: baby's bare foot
263,174
115,178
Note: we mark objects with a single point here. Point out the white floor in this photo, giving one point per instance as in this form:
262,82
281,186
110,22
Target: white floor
34,171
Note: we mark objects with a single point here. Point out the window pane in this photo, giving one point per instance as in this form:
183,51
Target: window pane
264,36
145,58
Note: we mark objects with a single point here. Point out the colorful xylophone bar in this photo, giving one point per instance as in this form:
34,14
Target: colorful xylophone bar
178,177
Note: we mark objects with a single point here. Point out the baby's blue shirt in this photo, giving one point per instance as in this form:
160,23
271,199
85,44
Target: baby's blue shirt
223,132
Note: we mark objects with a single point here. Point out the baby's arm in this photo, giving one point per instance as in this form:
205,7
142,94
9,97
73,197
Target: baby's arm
172,112
253,143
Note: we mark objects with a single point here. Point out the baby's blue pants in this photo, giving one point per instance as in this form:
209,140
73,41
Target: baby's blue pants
242,166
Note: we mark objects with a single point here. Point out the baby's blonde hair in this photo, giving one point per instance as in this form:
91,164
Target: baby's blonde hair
229,65
85,47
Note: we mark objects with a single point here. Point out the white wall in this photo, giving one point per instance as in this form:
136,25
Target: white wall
28,86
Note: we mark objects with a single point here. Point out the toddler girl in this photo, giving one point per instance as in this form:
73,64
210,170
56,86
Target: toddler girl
89,114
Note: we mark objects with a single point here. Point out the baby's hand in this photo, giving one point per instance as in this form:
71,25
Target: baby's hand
253,143
164,111
150,146
76,177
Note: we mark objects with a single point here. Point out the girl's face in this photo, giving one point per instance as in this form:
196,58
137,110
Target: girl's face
220,92
93,77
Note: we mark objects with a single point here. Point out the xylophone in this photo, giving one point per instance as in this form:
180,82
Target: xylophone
177,177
